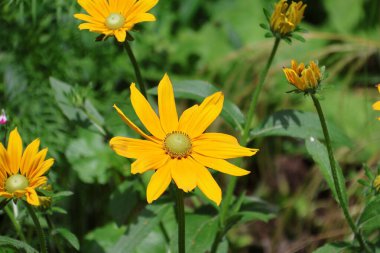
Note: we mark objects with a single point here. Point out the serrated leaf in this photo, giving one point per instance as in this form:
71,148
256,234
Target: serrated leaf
16,244
370,218
68,236
298,124
198,90
147,220
319,154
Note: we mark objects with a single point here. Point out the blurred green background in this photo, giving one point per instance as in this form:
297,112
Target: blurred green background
220,42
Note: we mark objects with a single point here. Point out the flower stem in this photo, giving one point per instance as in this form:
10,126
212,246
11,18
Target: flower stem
180,219
255,96
15,223
334,171
135,67
40,232
4,203
55,239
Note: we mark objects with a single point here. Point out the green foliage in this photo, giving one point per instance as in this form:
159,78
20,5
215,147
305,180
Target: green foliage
20,246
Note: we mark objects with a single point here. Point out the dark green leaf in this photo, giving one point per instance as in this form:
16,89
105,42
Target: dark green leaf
298,124
336,247
147,220
264,26
268,35
198,90
68,236
319,154
370,218
16,244
267,14
106,236
298,37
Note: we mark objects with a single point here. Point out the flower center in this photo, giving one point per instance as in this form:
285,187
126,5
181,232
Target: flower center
16,182
177,145
115,21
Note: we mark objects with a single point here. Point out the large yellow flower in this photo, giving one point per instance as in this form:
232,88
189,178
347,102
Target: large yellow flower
178,149
285,17
303,78
114,17
22,172
376,106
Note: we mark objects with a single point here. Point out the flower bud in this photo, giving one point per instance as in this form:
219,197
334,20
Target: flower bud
3,117
285,17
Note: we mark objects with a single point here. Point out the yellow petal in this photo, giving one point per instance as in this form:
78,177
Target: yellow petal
90,19
143,6
376,106
186,116
149,162
145,113
14,151
4,160
6,195
143,17
94,9
32,197
207,112
166,105
36,163
134,148
183,173
42,168
37,182
219,165
220,146
208,185
158,183
28,156
132,125
120,35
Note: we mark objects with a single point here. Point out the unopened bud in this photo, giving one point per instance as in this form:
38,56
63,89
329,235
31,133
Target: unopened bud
3,118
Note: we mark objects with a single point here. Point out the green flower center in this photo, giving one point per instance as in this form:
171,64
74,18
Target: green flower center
177,145
115,21
16,182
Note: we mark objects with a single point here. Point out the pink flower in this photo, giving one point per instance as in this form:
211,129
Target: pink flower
3,118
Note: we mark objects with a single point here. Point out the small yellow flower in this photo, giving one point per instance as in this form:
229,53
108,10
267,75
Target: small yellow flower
177,147
285,17
304,78
376,183
114,17
376,105
22,172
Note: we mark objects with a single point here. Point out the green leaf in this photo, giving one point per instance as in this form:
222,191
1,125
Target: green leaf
370,218
264,26
298,37
106,236
68,236
147,220
198,90
16,244
298,124
268,35
336,247
319,154
267,14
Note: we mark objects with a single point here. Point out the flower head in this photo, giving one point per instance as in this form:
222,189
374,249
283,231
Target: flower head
285,17
114,17
3,117
21,172
376,105
178,148
305,79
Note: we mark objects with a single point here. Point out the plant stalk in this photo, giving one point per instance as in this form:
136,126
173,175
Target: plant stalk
40,232
15,223
180,219
135,67
334,171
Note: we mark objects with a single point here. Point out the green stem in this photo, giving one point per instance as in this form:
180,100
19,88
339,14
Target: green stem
232,183
40,232
55,239
180,219
135,67
15,223
4,203
334,171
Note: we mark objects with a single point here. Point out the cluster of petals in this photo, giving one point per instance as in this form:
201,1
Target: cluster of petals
114,17
303,78
376,106
285,17
30,164
206,150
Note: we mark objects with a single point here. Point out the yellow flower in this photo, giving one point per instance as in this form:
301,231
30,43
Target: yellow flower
303,78
376,106
376,183
22,172
285,17
114,17
177,147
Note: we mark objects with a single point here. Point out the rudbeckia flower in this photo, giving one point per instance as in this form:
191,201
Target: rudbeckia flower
114,17
304,78
285,17
177,148
376,106
22,172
